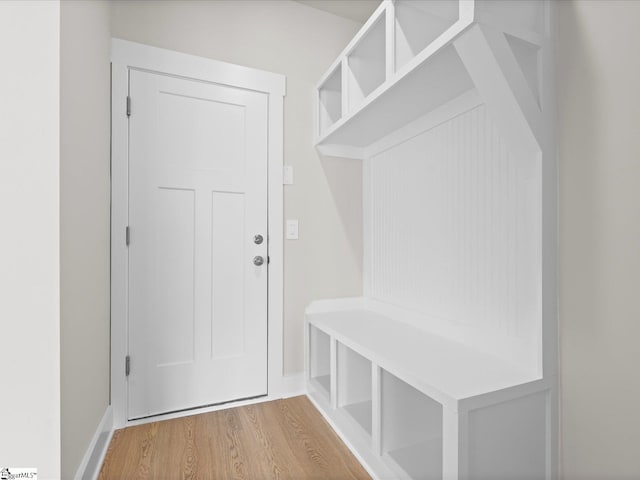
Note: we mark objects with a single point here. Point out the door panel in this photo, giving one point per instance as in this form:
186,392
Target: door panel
227,337
174,273
197,303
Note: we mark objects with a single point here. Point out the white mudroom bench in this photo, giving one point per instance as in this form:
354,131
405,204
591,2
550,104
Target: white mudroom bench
413,403
446,367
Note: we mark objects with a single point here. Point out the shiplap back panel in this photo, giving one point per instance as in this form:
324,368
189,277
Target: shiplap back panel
453,220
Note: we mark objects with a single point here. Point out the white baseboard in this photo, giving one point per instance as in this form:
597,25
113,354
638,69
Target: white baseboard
92,461
293,385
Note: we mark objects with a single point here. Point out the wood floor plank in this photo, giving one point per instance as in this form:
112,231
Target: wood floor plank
281,440
269,463
323,447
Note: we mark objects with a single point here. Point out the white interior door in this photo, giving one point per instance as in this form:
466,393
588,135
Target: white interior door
197,197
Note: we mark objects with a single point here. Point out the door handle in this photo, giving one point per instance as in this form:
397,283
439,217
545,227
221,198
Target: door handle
258,260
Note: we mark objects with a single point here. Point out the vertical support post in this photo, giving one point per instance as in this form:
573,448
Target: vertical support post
307,354
390,33
313,351
316,115
367,235
334,372
466,10
376,409
452,439
344,82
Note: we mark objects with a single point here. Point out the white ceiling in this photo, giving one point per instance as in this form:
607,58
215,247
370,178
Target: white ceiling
358,10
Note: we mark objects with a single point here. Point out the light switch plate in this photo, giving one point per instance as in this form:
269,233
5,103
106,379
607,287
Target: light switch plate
287,175
292,229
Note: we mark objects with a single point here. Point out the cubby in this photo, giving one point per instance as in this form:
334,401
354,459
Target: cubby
411,430
446,367
367,64
354,387
320,366
330,100
418,24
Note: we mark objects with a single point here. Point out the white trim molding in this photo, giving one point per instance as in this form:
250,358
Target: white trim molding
126,55
91,463
293,385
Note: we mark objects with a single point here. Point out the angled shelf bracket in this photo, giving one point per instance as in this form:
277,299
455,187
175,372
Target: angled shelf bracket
499,79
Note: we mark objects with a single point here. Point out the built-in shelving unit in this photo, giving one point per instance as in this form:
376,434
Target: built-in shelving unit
418,25
411,429
446,367
405,396
390,68
354,387
320,367
366,64
414,56
330,99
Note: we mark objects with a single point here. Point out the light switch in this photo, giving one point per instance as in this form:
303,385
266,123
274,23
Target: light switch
292,229
287,175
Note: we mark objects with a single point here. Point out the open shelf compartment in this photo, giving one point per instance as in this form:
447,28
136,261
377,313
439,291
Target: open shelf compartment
367,63
320,361
411,430
330,100
354,387
437,80
418,24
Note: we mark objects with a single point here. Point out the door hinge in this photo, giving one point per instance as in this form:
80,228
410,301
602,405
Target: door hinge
127,365
128,106
127,235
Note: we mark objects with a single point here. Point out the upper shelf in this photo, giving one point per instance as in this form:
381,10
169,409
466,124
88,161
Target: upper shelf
413,56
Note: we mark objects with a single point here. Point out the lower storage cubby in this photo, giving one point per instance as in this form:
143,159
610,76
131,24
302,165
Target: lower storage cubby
354,387
411,430
320,360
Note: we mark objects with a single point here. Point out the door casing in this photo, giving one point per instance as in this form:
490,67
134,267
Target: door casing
126,55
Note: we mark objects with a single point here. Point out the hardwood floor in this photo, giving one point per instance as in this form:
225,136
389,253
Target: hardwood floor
282,439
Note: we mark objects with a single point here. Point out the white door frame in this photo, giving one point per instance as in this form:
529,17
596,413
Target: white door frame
126,55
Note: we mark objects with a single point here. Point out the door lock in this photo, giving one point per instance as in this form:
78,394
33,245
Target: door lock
258,260
258,239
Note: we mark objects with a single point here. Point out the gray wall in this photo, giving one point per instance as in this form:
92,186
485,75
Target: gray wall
301,42
84,224
599,152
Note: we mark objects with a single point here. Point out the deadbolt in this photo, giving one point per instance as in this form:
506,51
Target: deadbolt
258,260
258,239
